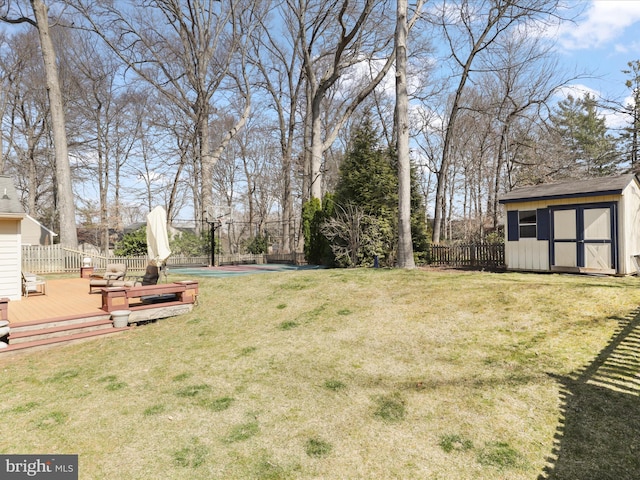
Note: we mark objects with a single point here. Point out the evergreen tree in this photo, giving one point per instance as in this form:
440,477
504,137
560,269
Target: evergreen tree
584,134
367,176
368,180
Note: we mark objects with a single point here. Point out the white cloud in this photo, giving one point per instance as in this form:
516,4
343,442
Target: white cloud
618,120
625,48
577,90
602,23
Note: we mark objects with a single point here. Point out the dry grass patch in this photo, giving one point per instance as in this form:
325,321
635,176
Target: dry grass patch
345,374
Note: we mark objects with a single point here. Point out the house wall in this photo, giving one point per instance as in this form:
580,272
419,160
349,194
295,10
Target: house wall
533,255
33,233
10,259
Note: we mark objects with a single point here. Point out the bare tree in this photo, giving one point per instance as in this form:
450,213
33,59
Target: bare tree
187,52
177,152
25,123
278,62
632,110
65,198
100,114
337,37
471,29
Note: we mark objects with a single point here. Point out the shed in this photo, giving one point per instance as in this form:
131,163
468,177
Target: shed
11,215
34,233
589,226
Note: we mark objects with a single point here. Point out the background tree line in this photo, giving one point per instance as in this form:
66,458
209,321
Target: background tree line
258,108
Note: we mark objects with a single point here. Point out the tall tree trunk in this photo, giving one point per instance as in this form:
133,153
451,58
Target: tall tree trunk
32,176
103,180
405,247
494,206
316,150
287,207
208,162
3,103
66,205
306,159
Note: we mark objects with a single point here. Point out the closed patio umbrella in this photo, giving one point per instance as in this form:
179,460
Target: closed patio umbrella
157,237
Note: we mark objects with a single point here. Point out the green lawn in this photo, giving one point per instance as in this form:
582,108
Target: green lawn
357,374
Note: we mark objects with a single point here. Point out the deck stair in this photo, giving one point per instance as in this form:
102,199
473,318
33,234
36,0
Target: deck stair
56,331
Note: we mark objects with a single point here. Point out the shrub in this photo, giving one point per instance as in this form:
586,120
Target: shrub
188,243
317,250
132,244
257,244
355,237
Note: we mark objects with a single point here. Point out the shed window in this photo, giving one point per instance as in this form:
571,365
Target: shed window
527,220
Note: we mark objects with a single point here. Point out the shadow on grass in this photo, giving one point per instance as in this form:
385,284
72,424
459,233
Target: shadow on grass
598,436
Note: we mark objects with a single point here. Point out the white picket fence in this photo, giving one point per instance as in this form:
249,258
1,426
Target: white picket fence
58,259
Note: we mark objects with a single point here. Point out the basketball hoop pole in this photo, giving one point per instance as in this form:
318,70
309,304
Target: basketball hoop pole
213,244
214,222
212,232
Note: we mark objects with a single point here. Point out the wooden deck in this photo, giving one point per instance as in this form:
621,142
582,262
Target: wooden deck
64,297
69,313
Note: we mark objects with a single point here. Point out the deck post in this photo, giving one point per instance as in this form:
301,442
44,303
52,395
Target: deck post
4,309
190,295
114,298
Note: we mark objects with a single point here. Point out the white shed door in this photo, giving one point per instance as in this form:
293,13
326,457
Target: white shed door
565,239
583,237
597,238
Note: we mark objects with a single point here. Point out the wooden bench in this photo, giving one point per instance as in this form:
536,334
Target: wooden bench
120,298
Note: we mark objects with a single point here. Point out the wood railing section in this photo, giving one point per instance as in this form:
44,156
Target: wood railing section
473,256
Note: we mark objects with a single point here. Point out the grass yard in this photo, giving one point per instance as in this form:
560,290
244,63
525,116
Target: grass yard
358,374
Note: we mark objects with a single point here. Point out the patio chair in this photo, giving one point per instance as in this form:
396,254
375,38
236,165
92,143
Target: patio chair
32,283
151,275
113,276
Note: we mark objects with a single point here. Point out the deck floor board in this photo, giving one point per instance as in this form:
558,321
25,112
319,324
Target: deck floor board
64,297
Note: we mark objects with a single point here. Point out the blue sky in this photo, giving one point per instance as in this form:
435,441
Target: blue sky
602,41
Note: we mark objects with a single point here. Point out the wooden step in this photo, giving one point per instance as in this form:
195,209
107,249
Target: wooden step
72,338
59,330
38,334
65,329
58,322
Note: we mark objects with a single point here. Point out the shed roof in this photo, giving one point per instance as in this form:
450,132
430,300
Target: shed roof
575,189
10,206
